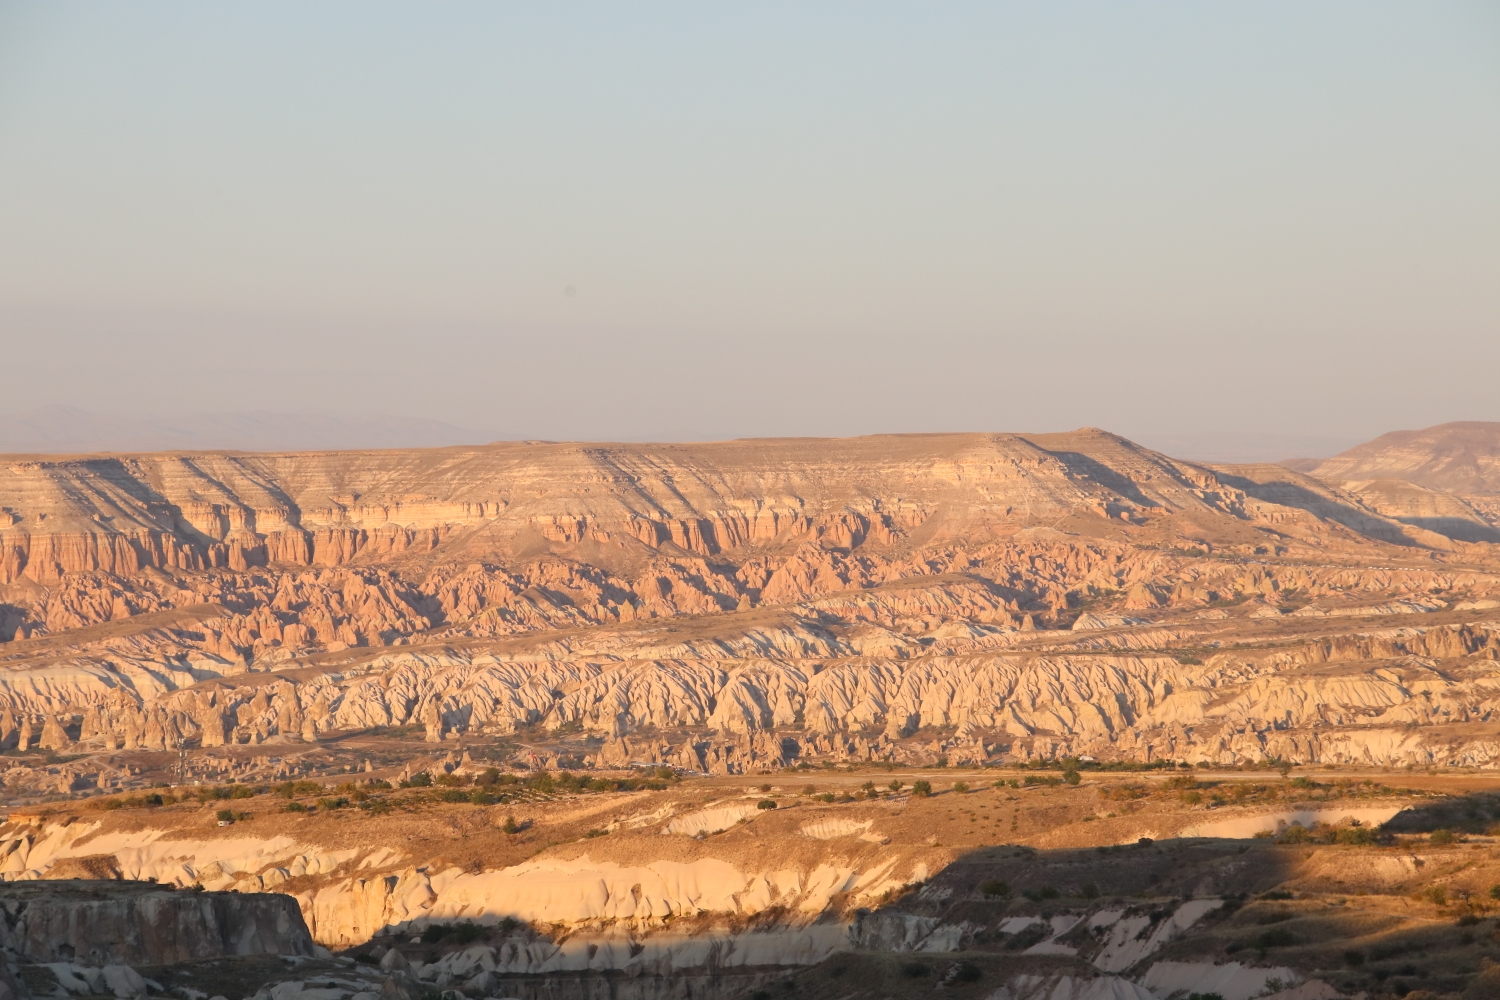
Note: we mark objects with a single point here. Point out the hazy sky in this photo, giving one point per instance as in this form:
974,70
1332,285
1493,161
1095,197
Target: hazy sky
704,220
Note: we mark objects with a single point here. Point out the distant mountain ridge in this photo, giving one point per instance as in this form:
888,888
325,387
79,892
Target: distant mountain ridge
1461,457
67,430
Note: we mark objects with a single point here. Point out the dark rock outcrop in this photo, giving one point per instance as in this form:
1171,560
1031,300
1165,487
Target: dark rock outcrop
142,923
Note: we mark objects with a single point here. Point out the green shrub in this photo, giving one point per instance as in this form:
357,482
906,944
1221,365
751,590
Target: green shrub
225,815
419,780
292,789
960,787
1072,777
1276,937
994,887
511,826
967,972
466,932
1356,836
914,970
766,804
921,788
1441,838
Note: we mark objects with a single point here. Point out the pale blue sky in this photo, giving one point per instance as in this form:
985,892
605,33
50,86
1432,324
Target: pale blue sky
773,218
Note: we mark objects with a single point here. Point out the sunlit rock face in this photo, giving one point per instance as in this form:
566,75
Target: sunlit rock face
733,607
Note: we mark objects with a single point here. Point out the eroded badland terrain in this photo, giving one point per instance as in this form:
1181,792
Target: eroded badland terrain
998,716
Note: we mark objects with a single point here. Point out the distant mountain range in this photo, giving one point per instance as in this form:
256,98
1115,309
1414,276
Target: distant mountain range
67,430
1461,457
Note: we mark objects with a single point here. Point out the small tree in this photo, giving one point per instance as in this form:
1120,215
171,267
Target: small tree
921,788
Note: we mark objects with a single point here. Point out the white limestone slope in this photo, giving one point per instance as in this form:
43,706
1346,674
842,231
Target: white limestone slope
363,892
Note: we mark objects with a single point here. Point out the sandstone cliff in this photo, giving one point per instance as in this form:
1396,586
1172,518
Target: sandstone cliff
746,605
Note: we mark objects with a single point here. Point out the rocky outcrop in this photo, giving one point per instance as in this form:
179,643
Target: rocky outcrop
139,923
349,895
767,602
806,689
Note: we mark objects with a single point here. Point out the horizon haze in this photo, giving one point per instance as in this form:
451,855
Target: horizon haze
1178,222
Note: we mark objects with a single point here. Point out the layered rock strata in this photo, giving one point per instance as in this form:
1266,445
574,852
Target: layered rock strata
736,607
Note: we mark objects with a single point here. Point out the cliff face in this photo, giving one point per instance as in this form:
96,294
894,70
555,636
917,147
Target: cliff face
121,515
1103,879
98,923
746,604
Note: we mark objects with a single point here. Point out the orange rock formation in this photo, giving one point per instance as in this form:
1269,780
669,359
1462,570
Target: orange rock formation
964,596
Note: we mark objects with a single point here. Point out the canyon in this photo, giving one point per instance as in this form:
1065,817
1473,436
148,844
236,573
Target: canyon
698,629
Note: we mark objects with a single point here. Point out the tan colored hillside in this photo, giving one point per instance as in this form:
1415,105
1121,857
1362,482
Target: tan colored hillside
1460,458
733,607
427,639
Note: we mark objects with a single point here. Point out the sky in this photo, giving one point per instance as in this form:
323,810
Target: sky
1233,222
